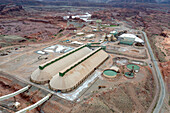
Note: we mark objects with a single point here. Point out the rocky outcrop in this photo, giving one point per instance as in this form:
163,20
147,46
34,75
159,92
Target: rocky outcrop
38,20
54,19
110,1
58,18
165,34
12,9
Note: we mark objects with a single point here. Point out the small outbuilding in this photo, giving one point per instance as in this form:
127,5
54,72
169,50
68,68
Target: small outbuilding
115,68
80,34
113,32
90,36
76,42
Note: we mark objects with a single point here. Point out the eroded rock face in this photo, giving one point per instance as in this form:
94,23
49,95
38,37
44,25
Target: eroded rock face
8,9
56,18
165,33
115,14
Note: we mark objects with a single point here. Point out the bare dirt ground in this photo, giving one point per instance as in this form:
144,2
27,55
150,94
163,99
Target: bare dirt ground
120,95
165,68
127,51
28,56
127,97
164,44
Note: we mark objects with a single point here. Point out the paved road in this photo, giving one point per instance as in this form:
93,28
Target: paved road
162,86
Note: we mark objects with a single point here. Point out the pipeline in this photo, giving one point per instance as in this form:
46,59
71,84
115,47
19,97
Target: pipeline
15,93
36,104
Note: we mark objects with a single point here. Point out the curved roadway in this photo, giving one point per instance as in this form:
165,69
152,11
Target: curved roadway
162,86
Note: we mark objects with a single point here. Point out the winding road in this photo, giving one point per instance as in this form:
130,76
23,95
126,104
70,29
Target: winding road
159,75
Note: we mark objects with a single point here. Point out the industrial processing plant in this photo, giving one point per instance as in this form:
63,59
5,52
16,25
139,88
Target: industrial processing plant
82,59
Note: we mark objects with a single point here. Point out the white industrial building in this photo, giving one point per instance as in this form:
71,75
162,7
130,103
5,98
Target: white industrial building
76,42
90,36
80,34
137,39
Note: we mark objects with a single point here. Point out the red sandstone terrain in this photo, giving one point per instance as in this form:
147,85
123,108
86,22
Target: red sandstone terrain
15,21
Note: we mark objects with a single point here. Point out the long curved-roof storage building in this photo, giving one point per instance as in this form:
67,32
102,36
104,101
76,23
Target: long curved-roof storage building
47,70
67,71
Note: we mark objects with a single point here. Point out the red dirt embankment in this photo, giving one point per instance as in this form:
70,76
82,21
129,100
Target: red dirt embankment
165,69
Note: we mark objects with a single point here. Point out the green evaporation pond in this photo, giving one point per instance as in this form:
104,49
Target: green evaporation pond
110,73
127,74
130,66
